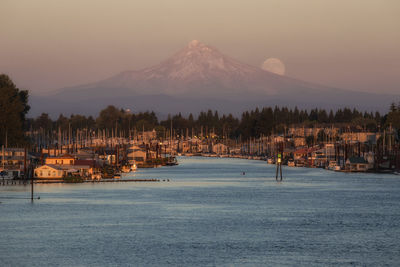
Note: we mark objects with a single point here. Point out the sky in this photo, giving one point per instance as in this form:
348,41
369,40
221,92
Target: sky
352,44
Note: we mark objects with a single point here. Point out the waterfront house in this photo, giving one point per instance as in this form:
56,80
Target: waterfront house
93,165
52,171
7,174
305,155
184,146
52,152
204,148
322,156
300,153
13,158
220,149
358,164
49,171
136,154
65,159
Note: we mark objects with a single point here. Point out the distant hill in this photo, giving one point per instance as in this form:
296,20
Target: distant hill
197,78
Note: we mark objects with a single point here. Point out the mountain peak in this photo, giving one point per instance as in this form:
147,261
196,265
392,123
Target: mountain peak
195,43
197,46
196,65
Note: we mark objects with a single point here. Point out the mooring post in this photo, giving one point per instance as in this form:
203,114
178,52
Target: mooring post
279,167
25,169
31,187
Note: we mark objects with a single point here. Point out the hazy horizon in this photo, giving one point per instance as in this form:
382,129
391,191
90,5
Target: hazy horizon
48,45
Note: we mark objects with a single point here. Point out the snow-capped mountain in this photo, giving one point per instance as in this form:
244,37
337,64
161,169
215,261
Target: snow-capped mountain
197,66
196,70
200,77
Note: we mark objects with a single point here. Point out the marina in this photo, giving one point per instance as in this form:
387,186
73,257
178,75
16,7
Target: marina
199,133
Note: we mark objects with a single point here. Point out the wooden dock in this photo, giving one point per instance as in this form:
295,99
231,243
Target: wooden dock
97,181
123,180
14,182
25,182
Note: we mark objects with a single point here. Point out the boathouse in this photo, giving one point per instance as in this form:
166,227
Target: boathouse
357,164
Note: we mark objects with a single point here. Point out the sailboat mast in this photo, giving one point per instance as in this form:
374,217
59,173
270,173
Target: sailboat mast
170,143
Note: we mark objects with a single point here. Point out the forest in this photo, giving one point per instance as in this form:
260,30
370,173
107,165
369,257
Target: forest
254,123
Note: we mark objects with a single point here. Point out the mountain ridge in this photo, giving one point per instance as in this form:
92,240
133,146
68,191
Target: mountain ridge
199,72
199,66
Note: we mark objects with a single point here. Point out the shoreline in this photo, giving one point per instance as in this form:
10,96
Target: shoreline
262,158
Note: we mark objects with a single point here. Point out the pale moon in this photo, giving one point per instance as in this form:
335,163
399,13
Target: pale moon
274,65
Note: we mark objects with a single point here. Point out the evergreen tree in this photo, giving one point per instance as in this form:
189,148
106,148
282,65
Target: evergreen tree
13,109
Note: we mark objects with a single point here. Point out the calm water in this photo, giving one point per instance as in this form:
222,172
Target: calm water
208,214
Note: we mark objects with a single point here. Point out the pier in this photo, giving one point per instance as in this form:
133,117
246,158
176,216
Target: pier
24,182
98,181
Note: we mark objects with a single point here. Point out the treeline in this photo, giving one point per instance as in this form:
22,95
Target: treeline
14,125
251,124
109,118
276,120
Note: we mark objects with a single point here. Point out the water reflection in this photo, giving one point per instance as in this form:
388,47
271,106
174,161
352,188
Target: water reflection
208,214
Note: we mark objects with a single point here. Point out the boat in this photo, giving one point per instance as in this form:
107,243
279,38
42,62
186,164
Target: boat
129,168
171,161
10,174
300,164
337,168
133,167
117,176
96,176
291,163
333,166
125,169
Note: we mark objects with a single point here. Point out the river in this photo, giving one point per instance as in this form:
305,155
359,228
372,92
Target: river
211,212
